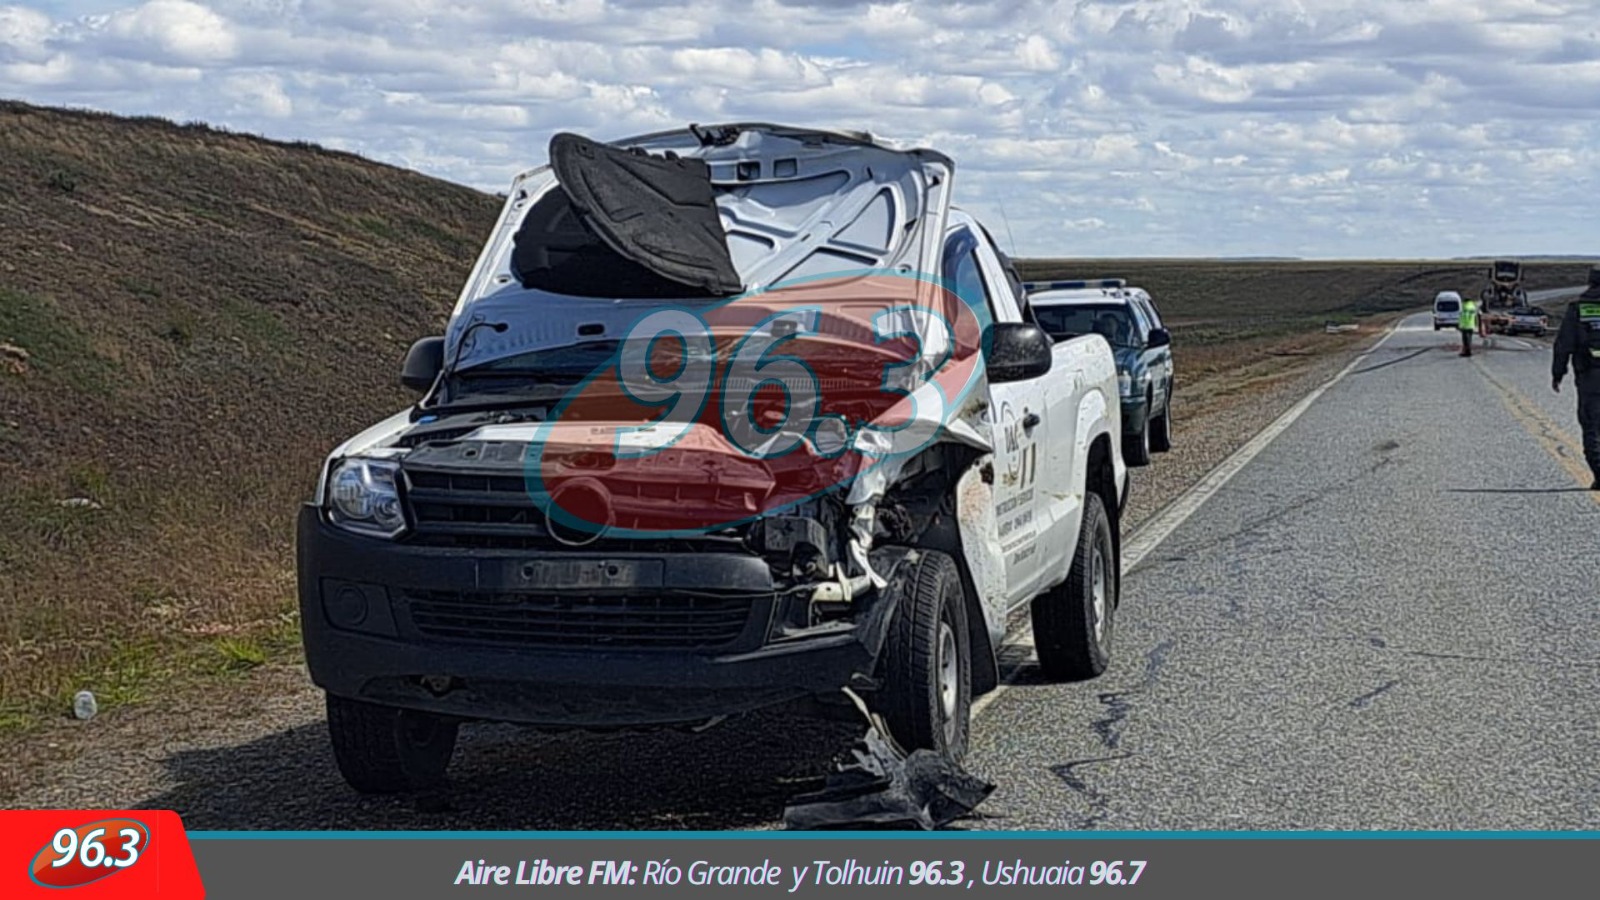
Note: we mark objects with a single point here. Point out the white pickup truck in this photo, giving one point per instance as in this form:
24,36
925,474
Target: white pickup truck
724,418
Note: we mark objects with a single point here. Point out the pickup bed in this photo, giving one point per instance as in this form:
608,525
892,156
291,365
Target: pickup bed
724,418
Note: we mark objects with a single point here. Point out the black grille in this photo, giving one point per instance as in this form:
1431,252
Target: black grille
661,620
473,509
494,511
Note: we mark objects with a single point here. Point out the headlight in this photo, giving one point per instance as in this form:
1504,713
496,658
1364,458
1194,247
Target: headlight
1124,383
362,497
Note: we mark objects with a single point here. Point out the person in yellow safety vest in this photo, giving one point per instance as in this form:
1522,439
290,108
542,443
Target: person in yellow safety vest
1468,323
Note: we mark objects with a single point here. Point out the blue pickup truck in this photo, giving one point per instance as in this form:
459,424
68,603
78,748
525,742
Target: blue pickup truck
1128,319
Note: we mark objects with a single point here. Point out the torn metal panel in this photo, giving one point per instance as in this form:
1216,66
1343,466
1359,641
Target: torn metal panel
980,544
863,522
881,444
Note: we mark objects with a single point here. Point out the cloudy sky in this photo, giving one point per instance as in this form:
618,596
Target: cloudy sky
1322,128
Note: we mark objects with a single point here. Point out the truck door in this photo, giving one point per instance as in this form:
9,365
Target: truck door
1056,502
1016,418
1153,358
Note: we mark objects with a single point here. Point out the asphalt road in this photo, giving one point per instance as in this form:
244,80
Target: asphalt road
1390,618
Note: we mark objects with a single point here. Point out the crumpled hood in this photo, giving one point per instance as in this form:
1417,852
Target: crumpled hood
794,204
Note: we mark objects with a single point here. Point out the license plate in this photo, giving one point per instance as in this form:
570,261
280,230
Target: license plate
566,574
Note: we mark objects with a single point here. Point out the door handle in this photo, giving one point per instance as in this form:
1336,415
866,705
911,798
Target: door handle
1029,420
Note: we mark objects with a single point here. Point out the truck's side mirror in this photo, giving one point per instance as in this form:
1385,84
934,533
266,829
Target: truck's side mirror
1016,351
422,365
1159,337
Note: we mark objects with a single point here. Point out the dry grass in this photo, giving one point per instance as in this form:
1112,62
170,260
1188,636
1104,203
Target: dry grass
203,315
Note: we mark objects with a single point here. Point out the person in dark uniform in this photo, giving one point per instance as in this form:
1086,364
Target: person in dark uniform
1578,341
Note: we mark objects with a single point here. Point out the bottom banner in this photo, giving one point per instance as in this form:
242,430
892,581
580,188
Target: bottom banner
405,865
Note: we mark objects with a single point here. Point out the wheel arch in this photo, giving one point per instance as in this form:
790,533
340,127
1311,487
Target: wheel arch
1101,480
943,467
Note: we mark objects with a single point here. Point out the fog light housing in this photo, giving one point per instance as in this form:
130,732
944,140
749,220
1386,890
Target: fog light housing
346,605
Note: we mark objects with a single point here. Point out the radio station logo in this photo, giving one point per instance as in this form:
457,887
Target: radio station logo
707,417
88,853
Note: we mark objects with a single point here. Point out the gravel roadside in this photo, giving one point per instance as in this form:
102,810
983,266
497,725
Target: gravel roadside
252,753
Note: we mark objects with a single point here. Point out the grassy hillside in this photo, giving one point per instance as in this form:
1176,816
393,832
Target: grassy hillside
189,320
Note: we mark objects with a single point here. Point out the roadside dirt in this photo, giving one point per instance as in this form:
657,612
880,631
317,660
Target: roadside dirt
250,752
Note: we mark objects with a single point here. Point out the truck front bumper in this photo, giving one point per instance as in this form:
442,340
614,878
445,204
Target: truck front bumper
484,634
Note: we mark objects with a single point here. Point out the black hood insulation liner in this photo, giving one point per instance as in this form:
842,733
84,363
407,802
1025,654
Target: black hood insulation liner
623,223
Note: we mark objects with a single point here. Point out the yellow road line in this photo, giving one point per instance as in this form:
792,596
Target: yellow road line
1551,436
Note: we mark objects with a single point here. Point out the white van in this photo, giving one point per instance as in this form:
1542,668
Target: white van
1446,310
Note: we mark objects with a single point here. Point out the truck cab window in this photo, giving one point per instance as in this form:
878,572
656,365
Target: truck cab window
963,273
1142,324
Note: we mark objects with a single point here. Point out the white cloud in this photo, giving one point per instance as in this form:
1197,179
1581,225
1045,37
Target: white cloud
175,31
1328,127
55,70
1037,53
259,94
23,33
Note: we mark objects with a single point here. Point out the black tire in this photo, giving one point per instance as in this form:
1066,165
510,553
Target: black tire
384,750
1070,647
930,622
1437,326
1160,428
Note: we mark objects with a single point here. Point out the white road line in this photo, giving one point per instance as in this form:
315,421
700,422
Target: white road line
1150,535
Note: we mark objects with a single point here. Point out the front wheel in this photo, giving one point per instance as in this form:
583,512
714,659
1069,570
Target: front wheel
385,750
926,697
1072,623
